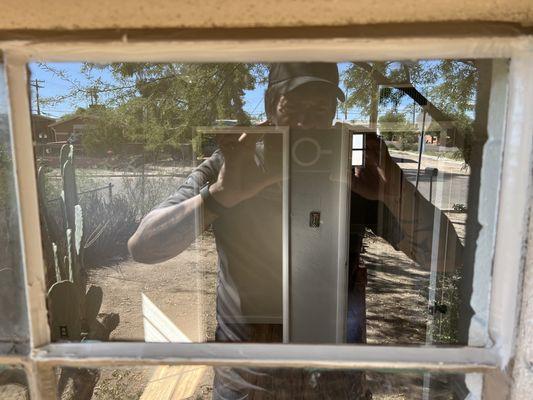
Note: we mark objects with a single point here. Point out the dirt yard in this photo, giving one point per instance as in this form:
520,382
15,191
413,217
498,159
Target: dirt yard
184,289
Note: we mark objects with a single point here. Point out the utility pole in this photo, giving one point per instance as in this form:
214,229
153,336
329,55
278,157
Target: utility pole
93,93
346,106
35,83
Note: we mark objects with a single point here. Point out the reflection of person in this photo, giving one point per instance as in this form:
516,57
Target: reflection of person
233,191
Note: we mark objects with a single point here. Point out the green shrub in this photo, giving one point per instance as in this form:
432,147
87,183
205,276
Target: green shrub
446,326
107,226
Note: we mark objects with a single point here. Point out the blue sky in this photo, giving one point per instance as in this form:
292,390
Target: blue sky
54,86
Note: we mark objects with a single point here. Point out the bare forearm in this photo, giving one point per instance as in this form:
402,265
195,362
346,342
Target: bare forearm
166,232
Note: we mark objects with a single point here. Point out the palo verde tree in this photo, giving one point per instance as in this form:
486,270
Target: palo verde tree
159,105
394,126
455,93
447,89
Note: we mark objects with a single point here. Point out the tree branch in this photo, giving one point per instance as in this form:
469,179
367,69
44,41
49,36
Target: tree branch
458,138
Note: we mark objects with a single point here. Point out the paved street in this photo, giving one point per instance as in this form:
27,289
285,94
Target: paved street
450,186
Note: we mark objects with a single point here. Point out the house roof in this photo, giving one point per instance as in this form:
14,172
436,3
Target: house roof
43,118
70,119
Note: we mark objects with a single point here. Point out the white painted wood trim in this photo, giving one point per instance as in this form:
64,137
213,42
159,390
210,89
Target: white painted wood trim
343,250
26,192
510,232
268,50
286,231
509,255
30,241
488,204
6,359
459,359
42,380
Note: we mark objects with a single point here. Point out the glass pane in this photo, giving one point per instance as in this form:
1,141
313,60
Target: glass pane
357,157
13,320
13,384
245,220
357,141
205,382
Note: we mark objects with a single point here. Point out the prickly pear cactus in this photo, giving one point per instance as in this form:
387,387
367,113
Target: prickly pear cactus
73,309
50,233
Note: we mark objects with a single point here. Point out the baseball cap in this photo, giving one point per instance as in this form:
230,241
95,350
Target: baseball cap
288,76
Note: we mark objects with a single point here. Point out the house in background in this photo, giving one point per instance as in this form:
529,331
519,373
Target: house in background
40,129
73,127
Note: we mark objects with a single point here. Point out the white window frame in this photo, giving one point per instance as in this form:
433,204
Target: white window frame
505,259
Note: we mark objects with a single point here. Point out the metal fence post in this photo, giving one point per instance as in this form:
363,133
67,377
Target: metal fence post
432,172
